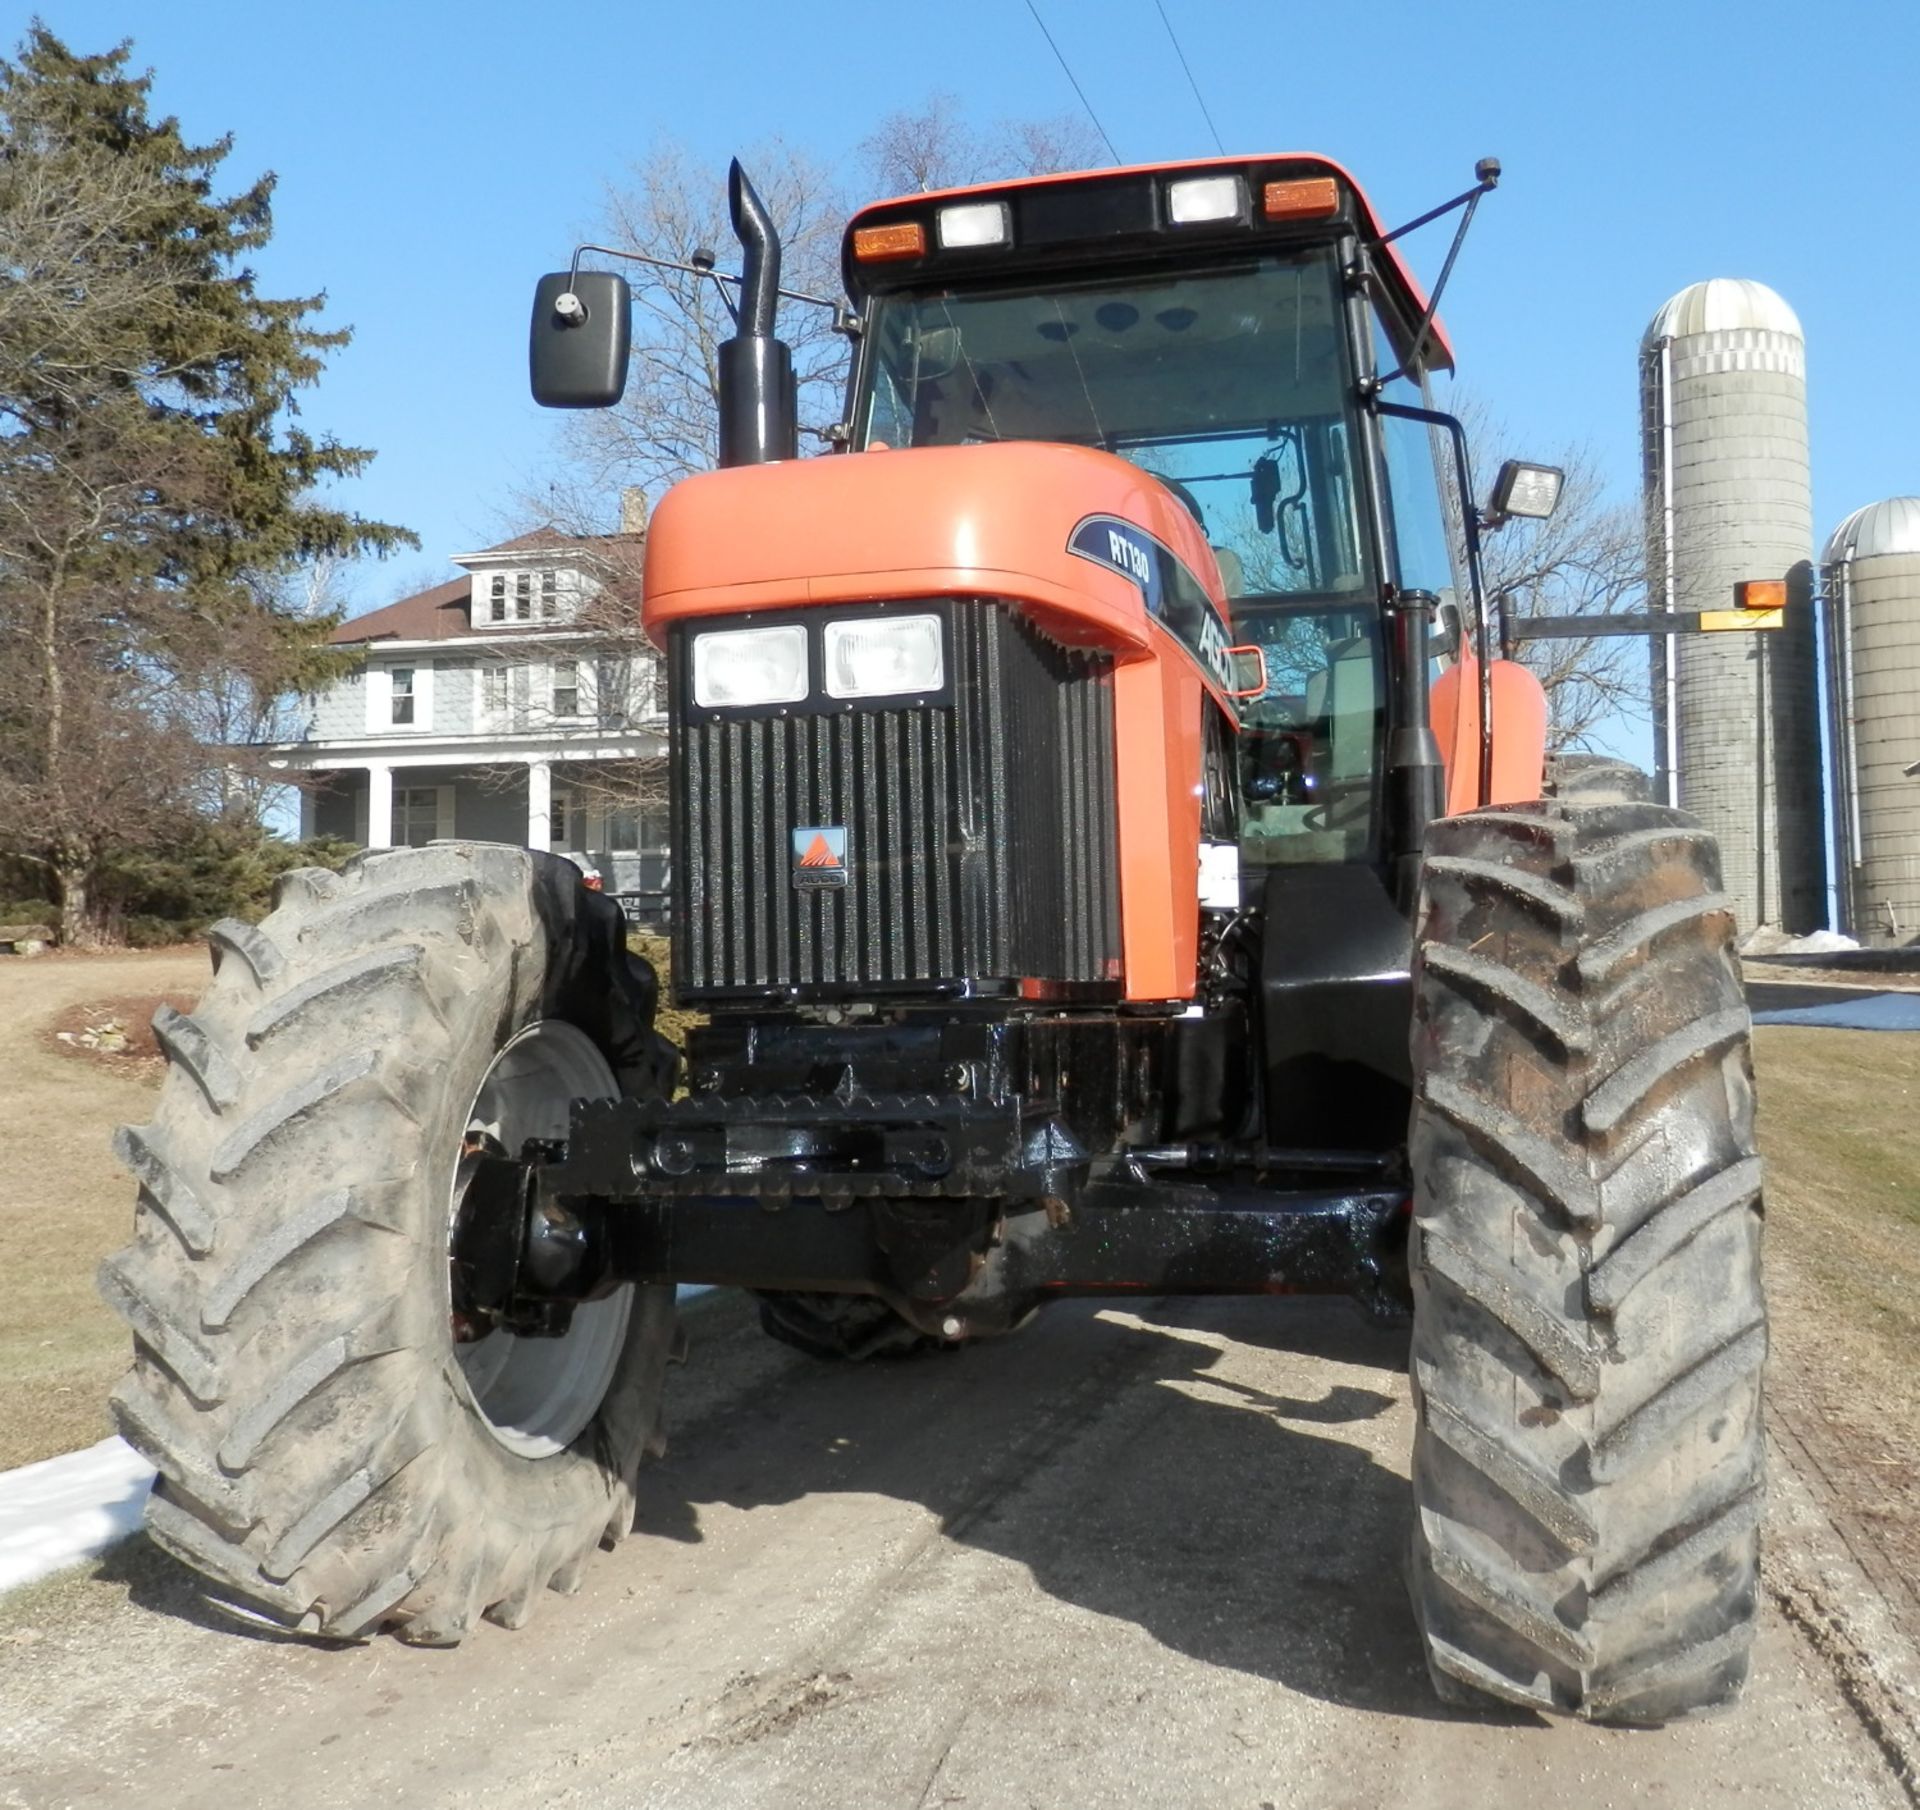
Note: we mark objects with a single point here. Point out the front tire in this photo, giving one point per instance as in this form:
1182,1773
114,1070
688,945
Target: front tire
328,1451
1589,1327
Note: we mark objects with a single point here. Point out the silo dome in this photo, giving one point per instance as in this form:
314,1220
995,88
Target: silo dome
1721,305
1877,531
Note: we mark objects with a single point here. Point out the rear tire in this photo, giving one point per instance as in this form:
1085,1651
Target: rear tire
1589,1327
1596,779
327,1453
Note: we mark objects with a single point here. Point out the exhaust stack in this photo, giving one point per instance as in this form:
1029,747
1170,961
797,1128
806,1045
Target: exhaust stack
758,410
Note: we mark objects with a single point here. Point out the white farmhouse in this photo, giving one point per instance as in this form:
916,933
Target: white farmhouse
517,703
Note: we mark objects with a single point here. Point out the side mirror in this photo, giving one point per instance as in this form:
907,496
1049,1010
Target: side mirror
579,339
1249,664
1524,492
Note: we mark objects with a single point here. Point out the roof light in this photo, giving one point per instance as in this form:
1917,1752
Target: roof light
876,244
973,223
1202,198
1308,198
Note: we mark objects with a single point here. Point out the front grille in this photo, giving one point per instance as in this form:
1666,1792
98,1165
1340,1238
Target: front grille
980,838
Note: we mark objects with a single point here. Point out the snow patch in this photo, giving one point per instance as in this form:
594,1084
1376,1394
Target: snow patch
64,1510
1816,942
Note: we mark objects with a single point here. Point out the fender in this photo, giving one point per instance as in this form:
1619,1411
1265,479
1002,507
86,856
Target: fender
1519,733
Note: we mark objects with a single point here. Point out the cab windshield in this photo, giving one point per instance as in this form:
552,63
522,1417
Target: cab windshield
1229,384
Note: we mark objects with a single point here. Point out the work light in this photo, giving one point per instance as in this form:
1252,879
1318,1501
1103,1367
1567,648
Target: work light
882,656
1202,198
746,666
972,223
1530,492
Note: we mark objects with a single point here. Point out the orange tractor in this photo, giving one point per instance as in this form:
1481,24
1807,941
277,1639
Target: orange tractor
1106,858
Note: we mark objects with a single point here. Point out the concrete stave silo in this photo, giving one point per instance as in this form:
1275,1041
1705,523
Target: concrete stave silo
1871,582
1729,497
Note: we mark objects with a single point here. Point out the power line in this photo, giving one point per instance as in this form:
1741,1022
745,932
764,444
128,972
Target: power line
1075,80
1191,83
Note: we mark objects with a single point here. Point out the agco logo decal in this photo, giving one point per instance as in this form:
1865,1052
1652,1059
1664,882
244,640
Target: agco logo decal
819,856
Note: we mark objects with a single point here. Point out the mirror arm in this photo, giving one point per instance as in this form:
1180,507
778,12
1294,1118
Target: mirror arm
845,320
1487,178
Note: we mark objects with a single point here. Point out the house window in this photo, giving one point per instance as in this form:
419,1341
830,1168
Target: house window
557,813
566,688
493,691
548,591
612,681
403,694
497,597
416,815
523,597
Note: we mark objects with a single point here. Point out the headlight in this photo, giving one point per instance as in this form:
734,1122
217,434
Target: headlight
744,666
879,656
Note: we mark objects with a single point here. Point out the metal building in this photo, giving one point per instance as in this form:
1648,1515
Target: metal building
1872,588
1736,716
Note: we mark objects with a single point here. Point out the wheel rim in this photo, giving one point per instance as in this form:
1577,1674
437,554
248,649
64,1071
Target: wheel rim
535,1396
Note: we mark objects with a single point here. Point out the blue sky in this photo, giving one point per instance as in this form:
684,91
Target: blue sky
435,158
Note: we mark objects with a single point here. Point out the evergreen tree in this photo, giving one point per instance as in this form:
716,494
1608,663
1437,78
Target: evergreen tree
156,488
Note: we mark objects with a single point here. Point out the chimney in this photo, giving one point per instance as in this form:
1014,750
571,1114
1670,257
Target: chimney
633,510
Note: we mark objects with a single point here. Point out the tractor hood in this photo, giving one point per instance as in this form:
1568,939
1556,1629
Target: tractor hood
1095,550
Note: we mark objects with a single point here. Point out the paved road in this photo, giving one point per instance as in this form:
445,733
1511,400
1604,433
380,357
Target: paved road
1124,1558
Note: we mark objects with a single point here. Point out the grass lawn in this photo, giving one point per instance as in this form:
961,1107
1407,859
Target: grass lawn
1840,1128
65,1202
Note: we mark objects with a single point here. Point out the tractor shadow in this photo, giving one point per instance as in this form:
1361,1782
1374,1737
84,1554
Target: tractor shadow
1124,1468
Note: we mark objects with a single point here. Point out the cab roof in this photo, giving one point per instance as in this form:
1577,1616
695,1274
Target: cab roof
1121,218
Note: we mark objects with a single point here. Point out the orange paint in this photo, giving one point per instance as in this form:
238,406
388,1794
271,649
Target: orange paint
1519,733
936,521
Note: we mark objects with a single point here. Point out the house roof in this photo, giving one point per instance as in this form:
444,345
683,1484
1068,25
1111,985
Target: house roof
436,615
444,612
548,539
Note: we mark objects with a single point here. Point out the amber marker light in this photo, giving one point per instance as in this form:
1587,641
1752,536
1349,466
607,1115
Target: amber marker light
1757,603
1309,198
876,244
